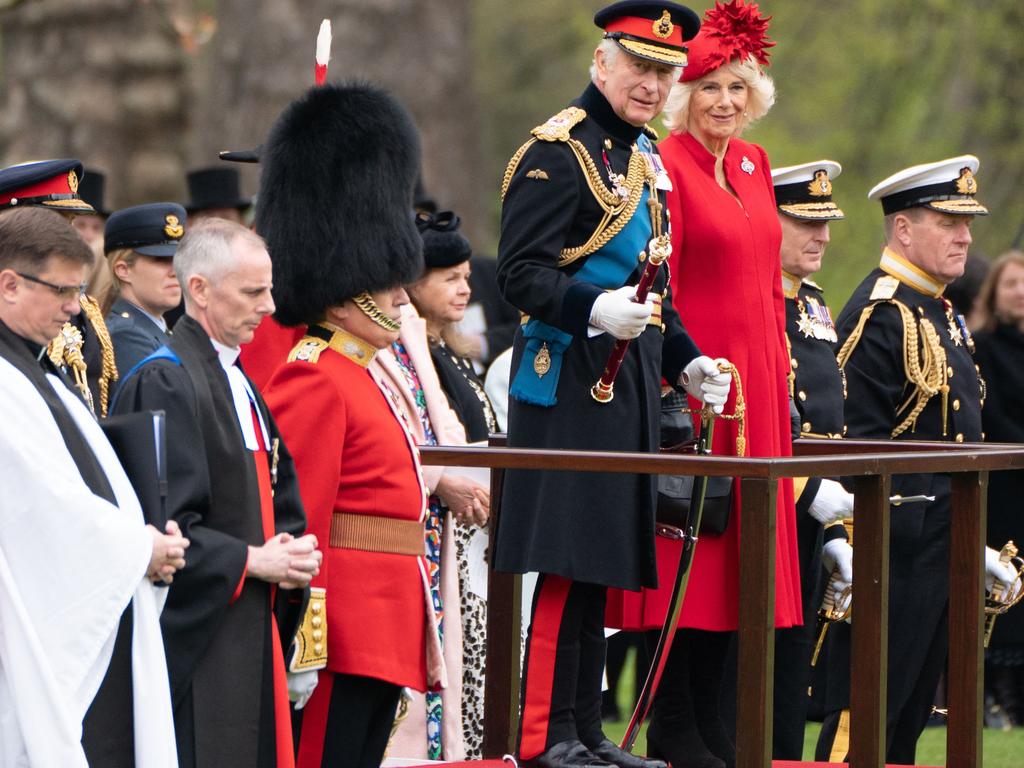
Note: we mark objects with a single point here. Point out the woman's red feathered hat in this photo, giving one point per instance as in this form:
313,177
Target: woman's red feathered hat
730,31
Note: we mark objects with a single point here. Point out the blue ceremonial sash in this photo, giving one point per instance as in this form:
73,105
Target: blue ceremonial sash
607,267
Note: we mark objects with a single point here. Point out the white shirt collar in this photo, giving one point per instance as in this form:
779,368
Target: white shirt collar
228,355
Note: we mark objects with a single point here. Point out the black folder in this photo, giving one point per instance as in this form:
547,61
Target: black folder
140,442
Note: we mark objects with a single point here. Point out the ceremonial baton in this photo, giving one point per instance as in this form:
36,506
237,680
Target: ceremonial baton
659,249
668,631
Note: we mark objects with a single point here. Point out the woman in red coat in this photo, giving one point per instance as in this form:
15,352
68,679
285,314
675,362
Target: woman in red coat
726,285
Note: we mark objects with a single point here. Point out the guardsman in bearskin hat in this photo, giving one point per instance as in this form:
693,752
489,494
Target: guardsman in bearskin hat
83,348
803,194
583,209
335,207
908,360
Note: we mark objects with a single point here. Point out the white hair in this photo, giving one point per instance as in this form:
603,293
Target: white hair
611,53
760,98
206,250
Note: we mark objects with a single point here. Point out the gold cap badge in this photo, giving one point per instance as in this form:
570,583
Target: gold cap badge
173,228
821,186
967,184
73,181
663,27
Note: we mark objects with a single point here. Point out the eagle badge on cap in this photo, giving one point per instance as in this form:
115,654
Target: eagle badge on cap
73,182
821,186
173,227
967,184
663,27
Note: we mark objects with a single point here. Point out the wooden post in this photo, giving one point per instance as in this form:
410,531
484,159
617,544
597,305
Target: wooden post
966,618
754,705
869,665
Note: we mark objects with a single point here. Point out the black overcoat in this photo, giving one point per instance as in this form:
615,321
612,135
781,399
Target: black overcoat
590,527
218,648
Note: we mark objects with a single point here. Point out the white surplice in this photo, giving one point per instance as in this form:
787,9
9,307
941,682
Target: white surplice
70,562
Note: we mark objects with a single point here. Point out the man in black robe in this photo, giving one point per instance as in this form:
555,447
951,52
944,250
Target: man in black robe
73,664
233,490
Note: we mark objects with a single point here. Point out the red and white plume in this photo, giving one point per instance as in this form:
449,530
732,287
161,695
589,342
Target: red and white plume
323,52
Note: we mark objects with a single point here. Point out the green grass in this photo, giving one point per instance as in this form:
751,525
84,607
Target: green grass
1000,749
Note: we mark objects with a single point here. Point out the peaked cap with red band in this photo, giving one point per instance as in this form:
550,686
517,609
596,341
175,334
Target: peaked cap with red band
46,183
730,31
652,31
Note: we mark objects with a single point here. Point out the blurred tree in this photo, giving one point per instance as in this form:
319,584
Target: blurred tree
101,81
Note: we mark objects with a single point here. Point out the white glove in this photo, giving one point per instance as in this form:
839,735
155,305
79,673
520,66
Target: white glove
617,313
837,558
301,686
832,502
702,380
995,570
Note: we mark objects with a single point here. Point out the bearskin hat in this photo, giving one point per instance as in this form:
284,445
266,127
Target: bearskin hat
335,204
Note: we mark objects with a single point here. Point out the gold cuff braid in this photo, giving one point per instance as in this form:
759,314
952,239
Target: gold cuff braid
311,638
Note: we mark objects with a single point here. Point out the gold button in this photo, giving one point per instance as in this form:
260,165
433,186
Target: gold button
845,428
662,327
793,361
806,426
316,607
607,143
802,395
949,371
318,649
956,405
318,635
982,435
125,314
642,257
960,437
920,311
316,621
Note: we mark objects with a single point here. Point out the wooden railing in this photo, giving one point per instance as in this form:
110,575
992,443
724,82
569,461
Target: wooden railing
871,464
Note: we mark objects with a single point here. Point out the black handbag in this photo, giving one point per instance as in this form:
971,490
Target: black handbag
675,491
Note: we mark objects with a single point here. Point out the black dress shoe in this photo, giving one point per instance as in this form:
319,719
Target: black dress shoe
567,754
608,750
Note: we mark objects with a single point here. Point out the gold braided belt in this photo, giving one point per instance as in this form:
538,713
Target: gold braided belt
374,533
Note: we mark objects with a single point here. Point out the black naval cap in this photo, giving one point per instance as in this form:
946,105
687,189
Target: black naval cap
45,184
153,229
946,186
653,31
443,244
805,191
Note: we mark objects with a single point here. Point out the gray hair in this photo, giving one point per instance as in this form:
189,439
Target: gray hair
206,250
760,87
611,53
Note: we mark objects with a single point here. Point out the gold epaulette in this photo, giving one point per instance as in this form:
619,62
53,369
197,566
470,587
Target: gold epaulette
311,638
924,358
557,127
307,350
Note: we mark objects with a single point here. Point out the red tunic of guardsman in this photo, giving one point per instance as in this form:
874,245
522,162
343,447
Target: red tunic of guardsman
340,258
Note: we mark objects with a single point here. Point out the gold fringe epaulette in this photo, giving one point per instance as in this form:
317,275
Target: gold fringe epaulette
108,374
924,362
307,350
311,638
557,127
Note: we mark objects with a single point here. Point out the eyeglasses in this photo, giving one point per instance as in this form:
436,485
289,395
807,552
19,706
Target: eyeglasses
62,291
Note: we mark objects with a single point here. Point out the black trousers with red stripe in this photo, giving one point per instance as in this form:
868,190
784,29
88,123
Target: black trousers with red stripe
564,665
346,723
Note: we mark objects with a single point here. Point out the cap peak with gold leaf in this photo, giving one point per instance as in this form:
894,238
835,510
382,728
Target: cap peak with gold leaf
650,30
44,184
946,186
805,191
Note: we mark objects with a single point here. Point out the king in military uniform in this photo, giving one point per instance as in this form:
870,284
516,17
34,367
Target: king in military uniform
583,212
910,374
803,195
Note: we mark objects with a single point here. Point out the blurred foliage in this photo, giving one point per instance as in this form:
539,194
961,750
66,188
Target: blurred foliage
877,85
